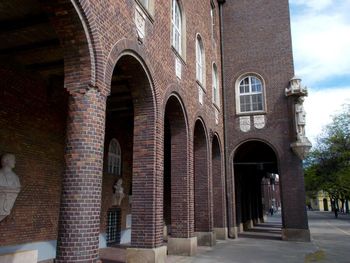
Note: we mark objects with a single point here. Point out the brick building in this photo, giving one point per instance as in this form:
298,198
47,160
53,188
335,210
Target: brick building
182,100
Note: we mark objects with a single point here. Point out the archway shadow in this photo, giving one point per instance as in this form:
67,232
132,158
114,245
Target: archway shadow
269,231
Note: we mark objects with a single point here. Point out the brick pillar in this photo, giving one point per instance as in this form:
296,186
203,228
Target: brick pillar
203,190
79,223
219,200
294,216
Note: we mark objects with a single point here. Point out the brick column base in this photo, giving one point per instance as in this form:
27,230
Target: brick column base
207,239
301,235
146,255
182,246
221,233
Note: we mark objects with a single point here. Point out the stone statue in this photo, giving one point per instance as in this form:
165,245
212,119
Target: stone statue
9,185
118,192
300,119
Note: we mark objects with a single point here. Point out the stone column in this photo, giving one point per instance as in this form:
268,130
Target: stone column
79,222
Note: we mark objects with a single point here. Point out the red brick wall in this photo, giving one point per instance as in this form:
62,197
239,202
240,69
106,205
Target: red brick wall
32,126
257,39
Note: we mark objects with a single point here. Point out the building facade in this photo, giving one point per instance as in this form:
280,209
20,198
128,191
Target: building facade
140,121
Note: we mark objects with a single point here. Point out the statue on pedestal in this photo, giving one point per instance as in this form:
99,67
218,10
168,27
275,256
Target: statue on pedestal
118,192
10,185
300,119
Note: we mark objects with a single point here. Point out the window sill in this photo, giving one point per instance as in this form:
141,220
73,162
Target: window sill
216,106
178,55
202,86
251,113
147,12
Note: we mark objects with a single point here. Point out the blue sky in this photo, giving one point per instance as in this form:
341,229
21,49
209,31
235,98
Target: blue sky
321,48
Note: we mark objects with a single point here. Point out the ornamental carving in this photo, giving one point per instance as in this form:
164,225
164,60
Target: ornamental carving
118,192
10,185
297,92
244,123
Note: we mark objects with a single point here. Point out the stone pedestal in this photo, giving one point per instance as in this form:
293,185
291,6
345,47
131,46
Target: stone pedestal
291,234
248,225
182,246
26,256
146,255
221,233
233,232
207,239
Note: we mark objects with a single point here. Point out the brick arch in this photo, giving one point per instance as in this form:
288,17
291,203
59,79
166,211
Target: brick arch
74,30
176,168
264,139
147,185
248,173
130,47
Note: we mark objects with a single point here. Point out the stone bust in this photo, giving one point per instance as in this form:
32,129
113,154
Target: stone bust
9,185
7,177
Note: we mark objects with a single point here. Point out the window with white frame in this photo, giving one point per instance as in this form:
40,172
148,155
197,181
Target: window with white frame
251,97
148,5
114,157
145,3
216,93
212,17
199,60
176,26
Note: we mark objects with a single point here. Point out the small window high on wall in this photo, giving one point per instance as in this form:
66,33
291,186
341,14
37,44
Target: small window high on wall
215,80
199,60
176,26
250,91
114,157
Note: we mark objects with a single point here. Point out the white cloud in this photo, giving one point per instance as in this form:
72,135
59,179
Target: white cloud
321,39
320,106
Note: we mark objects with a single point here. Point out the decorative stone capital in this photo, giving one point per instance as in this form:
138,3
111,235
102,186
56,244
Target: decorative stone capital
301,147
295,88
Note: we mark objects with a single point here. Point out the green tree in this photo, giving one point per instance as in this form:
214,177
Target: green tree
327,167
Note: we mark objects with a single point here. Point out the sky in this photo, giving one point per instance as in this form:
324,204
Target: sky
321,50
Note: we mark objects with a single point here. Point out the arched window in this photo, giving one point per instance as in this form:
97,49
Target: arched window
199,60
114,157
176,26
212,18
251,97
216,93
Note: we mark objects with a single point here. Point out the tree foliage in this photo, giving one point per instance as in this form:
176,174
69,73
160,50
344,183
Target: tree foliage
327,167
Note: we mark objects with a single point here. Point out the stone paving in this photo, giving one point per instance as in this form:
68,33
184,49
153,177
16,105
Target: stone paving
330,243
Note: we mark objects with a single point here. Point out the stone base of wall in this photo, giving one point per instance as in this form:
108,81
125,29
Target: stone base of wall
144,255
182,246
207,239
221,233
291,234
26,256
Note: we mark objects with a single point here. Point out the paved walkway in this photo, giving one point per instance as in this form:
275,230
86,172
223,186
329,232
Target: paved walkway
330,244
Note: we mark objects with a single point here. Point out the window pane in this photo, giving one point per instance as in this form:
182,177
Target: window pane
251,94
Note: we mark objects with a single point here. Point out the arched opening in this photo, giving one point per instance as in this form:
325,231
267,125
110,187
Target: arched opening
325,204
256,183
176,179
219,200
33,117
130,119
203,206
